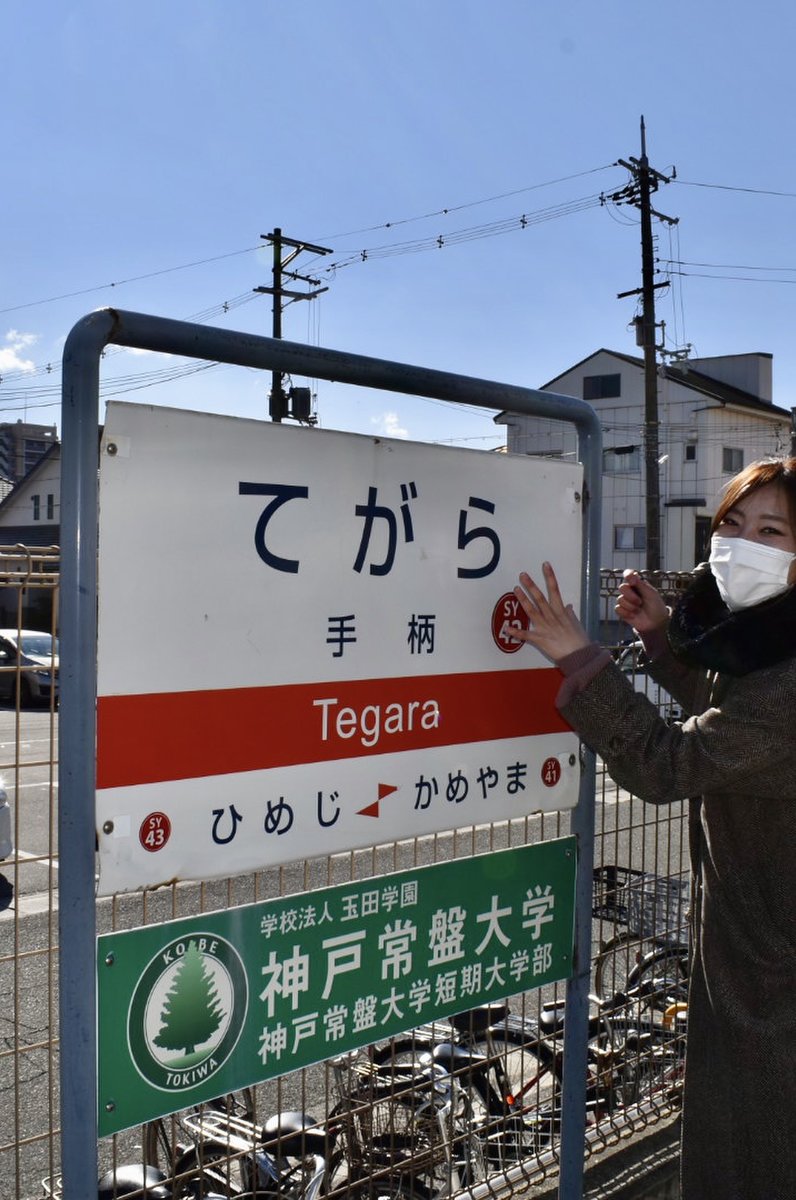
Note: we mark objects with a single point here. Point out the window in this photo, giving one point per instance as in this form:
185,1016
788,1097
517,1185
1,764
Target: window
731,460
701,539
50,506
630,537
36,507
690,451
601,387
622,460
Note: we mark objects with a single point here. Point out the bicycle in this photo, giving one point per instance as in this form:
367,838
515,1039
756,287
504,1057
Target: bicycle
655,943
511,1068
222,1153
377,1142
400,1123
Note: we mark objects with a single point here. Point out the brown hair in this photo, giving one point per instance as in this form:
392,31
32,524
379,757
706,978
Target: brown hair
780,471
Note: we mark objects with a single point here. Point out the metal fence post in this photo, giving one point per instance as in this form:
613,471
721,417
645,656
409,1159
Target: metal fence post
78,639
573,1116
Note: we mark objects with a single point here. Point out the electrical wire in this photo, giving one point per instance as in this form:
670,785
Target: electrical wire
727,278
725,187
468,234
444,212
472,233
18,397
100,287
248,249
683,262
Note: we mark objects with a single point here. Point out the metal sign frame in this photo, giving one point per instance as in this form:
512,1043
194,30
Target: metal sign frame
78,639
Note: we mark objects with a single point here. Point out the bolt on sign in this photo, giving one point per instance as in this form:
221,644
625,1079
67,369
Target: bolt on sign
193,1009
302,642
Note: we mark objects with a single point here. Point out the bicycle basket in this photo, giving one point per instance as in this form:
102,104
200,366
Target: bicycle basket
389,1119
652,906
657,907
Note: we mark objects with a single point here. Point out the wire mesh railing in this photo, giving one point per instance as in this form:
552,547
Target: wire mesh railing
469,1103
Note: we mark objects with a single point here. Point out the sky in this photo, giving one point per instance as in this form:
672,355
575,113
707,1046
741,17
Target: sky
455,156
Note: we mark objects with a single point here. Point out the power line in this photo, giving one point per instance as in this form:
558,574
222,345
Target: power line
468,234
444,212
506,225
248,249
101,287
217,310
18,397
727,278
725,187
432,242
684,262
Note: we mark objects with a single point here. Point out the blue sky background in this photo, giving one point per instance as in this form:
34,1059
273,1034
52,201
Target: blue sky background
143,137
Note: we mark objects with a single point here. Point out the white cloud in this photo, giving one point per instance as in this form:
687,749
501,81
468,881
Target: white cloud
11,354
387,424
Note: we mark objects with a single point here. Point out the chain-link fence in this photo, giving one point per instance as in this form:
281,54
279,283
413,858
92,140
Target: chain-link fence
472,1102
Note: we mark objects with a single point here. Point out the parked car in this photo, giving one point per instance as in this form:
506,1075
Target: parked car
630,660
32,656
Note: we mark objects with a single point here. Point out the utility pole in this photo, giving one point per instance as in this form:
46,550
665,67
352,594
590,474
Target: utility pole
646,180
297,402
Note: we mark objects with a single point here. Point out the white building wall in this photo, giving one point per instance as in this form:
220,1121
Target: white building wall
687,417
44,482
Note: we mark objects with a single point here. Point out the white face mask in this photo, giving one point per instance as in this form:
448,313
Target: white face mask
748,573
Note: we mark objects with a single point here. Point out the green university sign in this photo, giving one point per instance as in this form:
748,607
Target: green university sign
191,1009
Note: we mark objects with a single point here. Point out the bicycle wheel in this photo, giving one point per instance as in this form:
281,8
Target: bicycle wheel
652,1074
627,961
665,970
617,959
515,1092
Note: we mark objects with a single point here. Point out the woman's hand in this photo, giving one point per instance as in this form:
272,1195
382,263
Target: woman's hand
554,629
640,604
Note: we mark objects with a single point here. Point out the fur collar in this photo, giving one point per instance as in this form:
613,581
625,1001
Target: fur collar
704,632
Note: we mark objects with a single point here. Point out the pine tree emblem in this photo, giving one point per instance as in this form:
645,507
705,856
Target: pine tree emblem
192,1011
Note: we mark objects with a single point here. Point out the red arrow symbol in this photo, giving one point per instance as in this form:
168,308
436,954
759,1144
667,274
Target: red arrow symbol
372,810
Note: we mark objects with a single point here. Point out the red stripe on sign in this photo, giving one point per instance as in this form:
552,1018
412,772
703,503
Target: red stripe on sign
185,735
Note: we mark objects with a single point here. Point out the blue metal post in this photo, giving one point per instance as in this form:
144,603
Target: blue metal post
573,1115
78,644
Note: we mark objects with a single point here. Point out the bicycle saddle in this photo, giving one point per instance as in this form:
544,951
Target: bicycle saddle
551,1018
453,1058
125,1180
476,1020
293,1134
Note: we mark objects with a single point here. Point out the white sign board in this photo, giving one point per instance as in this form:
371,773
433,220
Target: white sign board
300,646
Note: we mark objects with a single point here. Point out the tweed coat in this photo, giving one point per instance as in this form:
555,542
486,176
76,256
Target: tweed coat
735,759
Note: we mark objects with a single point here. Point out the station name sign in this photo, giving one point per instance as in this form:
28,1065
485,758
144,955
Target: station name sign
302,644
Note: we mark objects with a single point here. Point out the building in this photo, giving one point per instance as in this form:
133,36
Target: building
30,514
715,416
21,447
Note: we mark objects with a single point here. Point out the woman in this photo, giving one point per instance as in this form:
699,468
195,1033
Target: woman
727,653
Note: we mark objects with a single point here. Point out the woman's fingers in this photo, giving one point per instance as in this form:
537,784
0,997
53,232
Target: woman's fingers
552,586
553,629
537,597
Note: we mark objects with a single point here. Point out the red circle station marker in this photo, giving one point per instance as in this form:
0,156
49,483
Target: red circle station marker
155,831
551,772
507,612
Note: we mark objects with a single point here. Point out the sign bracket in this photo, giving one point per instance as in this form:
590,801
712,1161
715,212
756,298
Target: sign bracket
78,636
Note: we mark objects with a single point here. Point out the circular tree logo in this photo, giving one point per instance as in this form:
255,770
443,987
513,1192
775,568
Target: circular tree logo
187,1012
